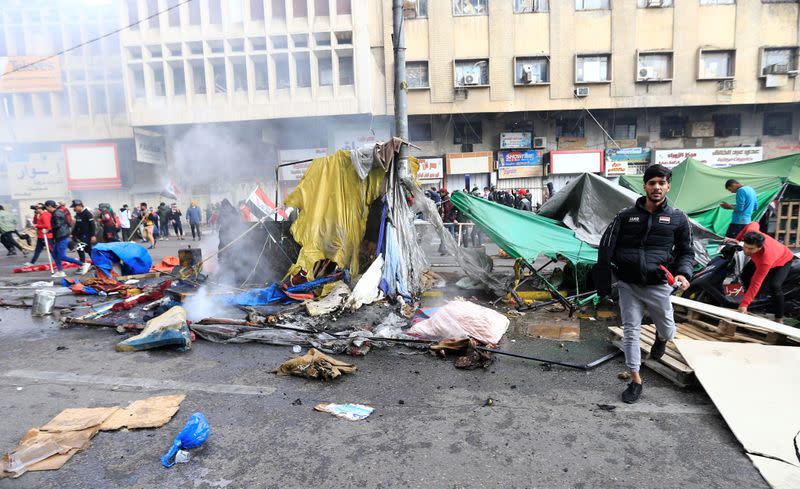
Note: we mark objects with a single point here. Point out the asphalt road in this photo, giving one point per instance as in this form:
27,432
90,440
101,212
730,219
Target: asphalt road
430,427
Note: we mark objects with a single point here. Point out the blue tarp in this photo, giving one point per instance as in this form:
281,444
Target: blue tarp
132,257
274,293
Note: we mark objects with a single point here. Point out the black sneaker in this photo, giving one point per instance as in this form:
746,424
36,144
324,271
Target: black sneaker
658,349
632,393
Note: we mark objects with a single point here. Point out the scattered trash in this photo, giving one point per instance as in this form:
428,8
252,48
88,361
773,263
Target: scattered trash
352,412
297,402
489,402
60,348
296,349
624,376
330,303
315,365
469,283
461,319
41,283
169,329
43,302
367,288
468,357
607,407
401,402
19,388
194,434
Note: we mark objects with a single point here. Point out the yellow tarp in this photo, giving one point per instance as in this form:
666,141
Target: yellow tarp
333,204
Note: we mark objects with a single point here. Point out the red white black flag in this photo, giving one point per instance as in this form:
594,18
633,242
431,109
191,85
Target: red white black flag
258,205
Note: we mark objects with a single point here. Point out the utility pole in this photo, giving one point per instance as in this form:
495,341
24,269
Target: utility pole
400,84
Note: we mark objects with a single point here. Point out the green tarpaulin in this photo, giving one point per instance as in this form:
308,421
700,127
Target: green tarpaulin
698,189
524,234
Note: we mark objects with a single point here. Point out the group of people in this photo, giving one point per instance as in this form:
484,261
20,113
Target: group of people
152,225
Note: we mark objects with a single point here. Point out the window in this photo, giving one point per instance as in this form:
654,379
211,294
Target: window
673,126
302,67
174,14
592,68
80,100
592,5
531,6
321,8
715,65
116,104
282,70
417,74
467,132
194,12
26,100
414,9
569,128
258,43
178,80
256,9
472,72
218,74
235,11
470,7
343,7
777,123
198,76
237,45
260,72
531,71
216,47
137,78
195,47
624,128
322,38
420,130
653,3
279,42
717,2
654,67
325,69
152,11
278,10
346,76
239,74
299,9
45,107
99,105
214,12
344,38
133,13
135,52
778,60
158,81
155,51
300,40
727,125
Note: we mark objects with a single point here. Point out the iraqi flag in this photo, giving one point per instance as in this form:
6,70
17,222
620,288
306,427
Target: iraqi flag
171,190
258,205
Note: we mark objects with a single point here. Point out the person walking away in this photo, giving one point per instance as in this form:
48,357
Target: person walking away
746,202
163,221
61,234
174,217
147,224
84,231
194,218
124,216
108,221
41,221
8,226
770,263
639,241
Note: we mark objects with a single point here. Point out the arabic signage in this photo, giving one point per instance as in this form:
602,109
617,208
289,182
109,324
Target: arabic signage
150,147
23,74
40,177
469,163
620,161
92,166
519,164
513,140
715,157
430,169
294,173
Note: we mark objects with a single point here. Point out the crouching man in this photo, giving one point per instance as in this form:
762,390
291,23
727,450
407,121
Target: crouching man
636,245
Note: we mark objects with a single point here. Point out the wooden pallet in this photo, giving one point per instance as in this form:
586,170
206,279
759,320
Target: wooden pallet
787,223
671,365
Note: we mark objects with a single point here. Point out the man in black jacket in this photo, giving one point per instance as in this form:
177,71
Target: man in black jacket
84,230
61,234
639,246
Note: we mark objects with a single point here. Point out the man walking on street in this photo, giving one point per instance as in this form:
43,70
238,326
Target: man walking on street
41,221
61,233
124,222
746,203
148,224
84,230
640,244
163,221
8,226
195,218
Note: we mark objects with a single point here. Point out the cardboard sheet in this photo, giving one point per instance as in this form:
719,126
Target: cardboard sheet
144,413
74,419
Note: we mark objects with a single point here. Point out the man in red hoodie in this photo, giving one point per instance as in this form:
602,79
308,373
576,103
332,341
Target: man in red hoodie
771,262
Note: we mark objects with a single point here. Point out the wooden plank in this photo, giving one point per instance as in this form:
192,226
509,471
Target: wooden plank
679,378
745,320
645,346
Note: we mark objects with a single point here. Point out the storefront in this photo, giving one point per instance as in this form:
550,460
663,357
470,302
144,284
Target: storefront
626,161
565,165
431,172
518,169
468,170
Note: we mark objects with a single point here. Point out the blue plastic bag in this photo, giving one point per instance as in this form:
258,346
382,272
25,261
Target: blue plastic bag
194,434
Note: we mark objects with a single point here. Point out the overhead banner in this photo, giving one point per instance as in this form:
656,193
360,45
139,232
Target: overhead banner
714,157
150,147
430,169
626,161
294,173
25,74
577,161
515,140
40,177
92,166
468,163
519,164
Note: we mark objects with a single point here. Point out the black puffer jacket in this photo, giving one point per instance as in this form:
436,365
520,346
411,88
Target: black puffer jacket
637,242
60,225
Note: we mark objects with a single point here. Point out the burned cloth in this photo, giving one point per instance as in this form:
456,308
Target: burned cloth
315,365
468,357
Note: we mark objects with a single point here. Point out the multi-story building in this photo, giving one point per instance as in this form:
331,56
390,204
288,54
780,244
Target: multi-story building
220,91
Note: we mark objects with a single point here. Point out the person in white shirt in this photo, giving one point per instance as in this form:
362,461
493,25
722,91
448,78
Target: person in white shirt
125,222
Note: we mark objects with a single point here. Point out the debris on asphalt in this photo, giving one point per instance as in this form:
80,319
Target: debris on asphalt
489,402
315,365
167,330
462,319
624,376
351,412
43,302
194,434
606,407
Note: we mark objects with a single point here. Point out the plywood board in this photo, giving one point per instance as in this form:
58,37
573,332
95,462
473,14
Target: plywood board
778,474
756,388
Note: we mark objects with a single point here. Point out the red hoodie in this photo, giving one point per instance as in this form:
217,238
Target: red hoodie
773,255
42,222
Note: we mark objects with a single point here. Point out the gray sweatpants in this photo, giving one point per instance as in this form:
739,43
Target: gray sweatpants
633,300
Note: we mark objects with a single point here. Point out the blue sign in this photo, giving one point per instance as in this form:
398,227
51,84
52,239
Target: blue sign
631,155
519,158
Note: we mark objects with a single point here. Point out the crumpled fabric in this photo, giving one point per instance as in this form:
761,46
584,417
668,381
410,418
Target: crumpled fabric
464,319
315,365
278,292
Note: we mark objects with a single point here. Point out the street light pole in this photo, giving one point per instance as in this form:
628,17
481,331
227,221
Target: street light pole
400,84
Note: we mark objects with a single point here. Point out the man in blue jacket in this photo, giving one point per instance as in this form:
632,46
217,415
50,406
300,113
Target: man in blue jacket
746,203
638,246
195,217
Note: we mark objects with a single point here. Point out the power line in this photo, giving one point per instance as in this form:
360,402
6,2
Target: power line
28,65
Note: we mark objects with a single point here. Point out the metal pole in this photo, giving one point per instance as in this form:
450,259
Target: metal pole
400,83
47,246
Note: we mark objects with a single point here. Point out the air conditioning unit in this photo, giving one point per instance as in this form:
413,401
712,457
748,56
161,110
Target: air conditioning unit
775,81
655,3
675,133
581,91
727,85
648,73
471,76
539,143
531,74
777,69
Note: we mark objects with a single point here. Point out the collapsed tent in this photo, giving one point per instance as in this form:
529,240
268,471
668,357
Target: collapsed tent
133,258
698,189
